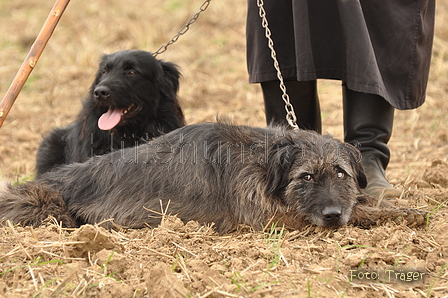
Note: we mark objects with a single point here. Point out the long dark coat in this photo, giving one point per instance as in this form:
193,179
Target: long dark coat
381,47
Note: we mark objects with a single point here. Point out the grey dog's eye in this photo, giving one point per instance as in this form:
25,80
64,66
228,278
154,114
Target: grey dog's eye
307,177
341,175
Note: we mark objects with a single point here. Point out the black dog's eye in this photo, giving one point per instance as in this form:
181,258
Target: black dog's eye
131,72
103,71
308,177
341,175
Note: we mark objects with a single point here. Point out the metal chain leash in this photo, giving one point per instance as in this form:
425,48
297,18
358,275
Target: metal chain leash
184,29
290,114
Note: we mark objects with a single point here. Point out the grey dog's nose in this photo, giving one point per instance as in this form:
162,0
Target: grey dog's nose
101,92
332,214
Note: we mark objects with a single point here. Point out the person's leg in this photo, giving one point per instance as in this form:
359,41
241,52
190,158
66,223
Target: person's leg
368,122
303,97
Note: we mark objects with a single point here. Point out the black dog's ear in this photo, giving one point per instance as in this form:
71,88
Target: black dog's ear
281,157
172,75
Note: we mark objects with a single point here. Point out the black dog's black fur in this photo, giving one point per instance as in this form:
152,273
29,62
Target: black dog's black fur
134,83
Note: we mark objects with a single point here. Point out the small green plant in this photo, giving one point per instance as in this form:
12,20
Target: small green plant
432,212
401,256
308,288
23,179
322,280
35,263
291,284
345,290
274,238
241,283
263,285
238,281
104,267
43,287
433,283
363,261
174,267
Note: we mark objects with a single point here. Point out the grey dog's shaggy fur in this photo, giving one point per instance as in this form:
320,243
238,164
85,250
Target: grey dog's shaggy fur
212,173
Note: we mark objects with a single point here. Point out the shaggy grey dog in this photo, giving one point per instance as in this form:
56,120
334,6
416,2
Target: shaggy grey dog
212,173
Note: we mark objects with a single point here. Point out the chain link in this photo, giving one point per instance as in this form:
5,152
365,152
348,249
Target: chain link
184,29
290,114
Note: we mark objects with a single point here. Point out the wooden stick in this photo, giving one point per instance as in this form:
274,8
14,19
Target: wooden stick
31,59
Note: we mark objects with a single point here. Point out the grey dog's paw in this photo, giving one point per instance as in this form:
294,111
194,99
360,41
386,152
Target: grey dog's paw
368,216
411,217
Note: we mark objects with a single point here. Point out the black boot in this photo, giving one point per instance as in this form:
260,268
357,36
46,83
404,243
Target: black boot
302,96
368,122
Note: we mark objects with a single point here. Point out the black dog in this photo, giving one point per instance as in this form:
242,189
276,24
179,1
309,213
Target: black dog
133,98
211,173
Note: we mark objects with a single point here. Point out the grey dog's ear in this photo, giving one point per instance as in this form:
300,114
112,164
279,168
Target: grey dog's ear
361,177
280,159
355,161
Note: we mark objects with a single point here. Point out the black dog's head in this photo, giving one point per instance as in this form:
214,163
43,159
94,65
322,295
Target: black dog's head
131,87
316,176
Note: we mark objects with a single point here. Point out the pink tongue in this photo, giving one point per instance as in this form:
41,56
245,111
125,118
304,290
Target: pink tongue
110,119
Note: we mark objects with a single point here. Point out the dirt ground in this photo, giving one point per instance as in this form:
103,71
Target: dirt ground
188,260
